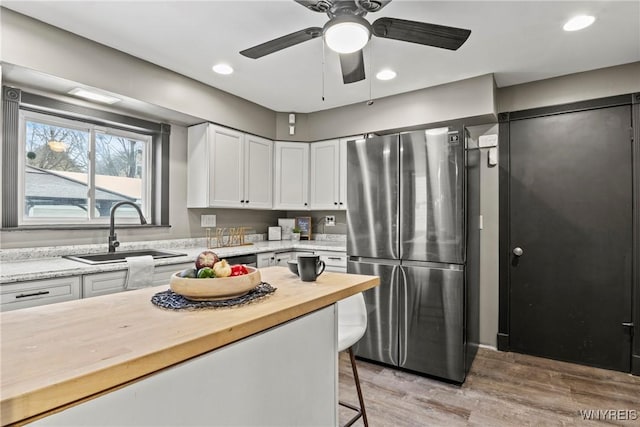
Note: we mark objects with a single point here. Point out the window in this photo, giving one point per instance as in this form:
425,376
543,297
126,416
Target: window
73,172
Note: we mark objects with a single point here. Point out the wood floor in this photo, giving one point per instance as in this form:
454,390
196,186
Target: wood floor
502,389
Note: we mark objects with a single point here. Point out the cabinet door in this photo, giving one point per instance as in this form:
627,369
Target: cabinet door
226,167
39,292
265,259
292,175
325,175
162,273
258,182
281,258
198,166
343,169
103,283
334,261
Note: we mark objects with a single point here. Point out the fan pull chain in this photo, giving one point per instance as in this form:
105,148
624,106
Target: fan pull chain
370,101
322,68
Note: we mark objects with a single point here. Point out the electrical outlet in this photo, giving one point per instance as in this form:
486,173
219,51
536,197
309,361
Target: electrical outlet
207,221
330,220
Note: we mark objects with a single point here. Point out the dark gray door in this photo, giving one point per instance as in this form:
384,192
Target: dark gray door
571,236
380,341
431,312
432,196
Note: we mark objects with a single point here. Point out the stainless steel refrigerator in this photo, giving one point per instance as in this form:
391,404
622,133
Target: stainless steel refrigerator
412,215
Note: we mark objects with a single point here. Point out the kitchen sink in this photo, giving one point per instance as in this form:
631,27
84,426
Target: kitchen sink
109,257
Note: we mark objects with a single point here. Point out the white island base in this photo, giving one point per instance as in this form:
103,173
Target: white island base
284,376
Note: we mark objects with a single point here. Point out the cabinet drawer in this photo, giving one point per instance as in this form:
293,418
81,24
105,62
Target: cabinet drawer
162,273
39,292
103,283
334,259
265,259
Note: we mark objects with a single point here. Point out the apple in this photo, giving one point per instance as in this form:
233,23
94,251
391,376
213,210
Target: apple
206,259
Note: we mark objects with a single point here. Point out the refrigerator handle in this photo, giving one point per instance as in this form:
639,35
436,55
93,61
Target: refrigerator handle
402,316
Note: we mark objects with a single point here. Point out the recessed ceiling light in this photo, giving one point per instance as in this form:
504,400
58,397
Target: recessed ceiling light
578,22
94,96
386,74
223,69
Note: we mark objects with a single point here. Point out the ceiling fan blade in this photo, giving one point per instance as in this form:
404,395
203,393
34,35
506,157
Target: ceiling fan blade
420,32
321,6
282,42
352,65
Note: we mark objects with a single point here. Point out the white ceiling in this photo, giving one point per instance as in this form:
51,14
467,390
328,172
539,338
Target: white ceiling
518,41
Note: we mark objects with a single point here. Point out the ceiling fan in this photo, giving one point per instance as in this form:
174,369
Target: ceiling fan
347,32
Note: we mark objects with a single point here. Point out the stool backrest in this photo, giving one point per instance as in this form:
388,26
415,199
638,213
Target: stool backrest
352,311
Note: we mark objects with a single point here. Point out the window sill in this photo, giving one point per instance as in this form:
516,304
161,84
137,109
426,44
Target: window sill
61,227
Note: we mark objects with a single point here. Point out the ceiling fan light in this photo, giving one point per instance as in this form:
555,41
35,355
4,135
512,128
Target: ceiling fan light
346,36
578,22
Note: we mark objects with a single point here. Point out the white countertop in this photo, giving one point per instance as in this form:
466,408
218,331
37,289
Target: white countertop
50,267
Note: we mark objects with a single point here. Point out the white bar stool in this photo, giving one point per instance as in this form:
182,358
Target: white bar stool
352,323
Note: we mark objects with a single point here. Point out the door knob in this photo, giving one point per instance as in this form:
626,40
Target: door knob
518,251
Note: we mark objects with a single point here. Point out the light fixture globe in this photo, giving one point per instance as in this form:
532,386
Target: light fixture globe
347,33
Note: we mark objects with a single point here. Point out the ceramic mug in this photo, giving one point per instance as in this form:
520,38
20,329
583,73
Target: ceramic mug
310,267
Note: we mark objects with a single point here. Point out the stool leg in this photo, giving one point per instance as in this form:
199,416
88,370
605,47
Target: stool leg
357,380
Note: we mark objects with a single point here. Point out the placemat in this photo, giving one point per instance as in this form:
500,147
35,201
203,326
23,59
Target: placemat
173,301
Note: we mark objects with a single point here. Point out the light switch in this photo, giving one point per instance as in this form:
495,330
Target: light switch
492,157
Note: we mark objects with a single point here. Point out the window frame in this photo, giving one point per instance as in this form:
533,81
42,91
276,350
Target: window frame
16,100
92,129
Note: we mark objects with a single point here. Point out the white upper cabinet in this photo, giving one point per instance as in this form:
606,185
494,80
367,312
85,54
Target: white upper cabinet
227,169
258,172
291,182
329,174
325,175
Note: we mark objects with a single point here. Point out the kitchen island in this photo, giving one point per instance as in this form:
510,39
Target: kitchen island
118,359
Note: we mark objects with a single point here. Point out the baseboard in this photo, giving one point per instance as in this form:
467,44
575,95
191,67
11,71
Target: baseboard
488,347
635,364
503,342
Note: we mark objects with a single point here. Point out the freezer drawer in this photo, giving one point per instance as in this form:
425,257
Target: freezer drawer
431,320
380,341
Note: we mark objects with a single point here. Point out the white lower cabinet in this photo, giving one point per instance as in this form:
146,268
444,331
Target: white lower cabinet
334,261
162,273
103,283
265,259
39,292
281,258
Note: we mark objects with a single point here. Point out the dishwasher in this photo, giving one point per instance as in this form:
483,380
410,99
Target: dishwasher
250,259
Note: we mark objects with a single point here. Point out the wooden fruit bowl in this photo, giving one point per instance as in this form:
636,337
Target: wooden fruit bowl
215,288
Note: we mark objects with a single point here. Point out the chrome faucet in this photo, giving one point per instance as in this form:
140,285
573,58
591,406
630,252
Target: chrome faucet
113,242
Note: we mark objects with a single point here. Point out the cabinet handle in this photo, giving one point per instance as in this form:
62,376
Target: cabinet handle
247,201
306,204
241,201
335,203
34,294
335,258
341,203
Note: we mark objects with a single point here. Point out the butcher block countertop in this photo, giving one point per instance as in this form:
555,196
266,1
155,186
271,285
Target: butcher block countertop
58,355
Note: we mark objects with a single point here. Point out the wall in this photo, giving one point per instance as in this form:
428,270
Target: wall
594,84
488,239
38,46
471,98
